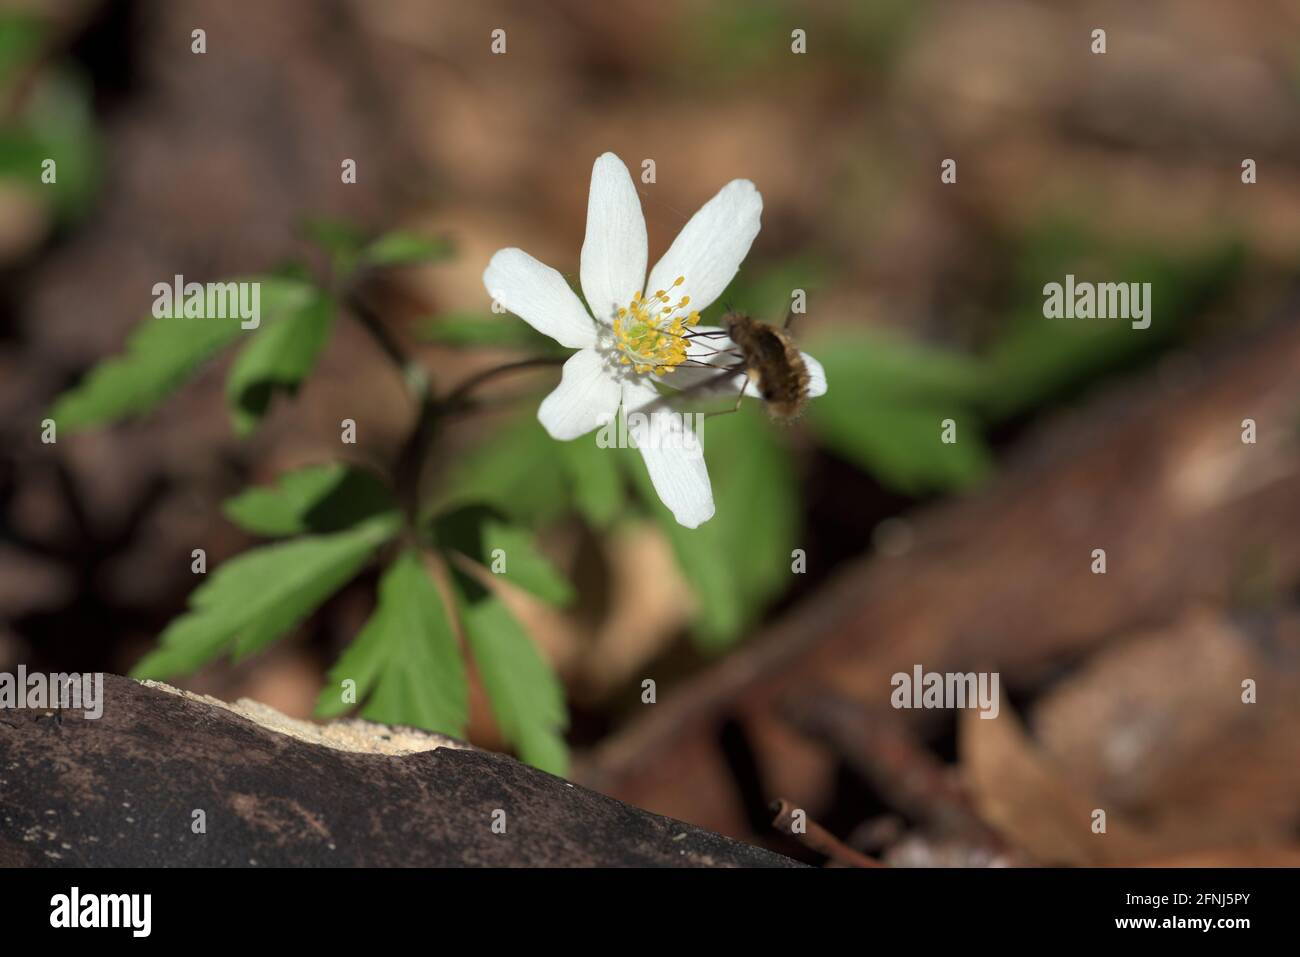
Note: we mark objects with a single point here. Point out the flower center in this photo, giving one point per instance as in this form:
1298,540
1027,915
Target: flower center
650,332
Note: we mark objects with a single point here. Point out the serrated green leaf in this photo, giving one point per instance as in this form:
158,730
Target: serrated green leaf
468,330
161,354
507,550
885,407
526,698
595,480
323,498
740,559
406,662
406,249
253,599
280,355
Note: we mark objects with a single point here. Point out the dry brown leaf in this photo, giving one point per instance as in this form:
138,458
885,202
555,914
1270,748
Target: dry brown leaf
1156,727
1021,792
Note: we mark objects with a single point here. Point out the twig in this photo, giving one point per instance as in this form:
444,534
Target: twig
884,752
817,838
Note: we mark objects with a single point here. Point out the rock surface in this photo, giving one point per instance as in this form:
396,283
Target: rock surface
123,790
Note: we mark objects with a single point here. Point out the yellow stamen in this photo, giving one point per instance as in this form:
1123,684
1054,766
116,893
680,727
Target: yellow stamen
650,334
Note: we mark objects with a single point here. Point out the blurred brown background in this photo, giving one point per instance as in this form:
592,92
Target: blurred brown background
1123,690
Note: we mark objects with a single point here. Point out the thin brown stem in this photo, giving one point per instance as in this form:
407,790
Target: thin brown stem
886,753
815,837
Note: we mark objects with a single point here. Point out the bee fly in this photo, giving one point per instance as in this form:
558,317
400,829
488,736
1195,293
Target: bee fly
771,364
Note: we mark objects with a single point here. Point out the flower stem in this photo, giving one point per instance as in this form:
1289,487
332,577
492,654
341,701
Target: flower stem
408,468
459,397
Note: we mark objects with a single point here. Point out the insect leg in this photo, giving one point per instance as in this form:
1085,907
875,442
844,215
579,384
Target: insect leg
740,397
725,373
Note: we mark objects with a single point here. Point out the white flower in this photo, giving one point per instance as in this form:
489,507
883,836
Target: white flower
636,337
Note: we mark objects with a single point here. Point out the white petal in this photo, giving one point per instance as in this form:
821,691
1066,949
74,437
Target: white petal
585,393
675,460
538,294
614,252
710,248
816,376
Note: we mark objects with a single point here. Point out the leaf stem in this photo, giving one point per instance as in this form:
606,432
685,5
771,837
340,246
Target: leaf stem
413,372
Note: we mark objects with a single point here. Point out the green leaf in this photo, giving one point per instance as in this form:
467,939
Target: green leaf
740,559
467,330
885,405
1037,360
515,470
341,239
281,354
901,445
253,599
21,36
595,480
334,235
525,565
323,498
406,659
479,534
406,249
349,248
161,354
52,119
61,118
526,698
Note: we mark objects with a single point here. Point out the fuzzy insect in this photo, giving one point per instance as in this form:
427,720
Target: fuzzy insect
771,362
771,365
